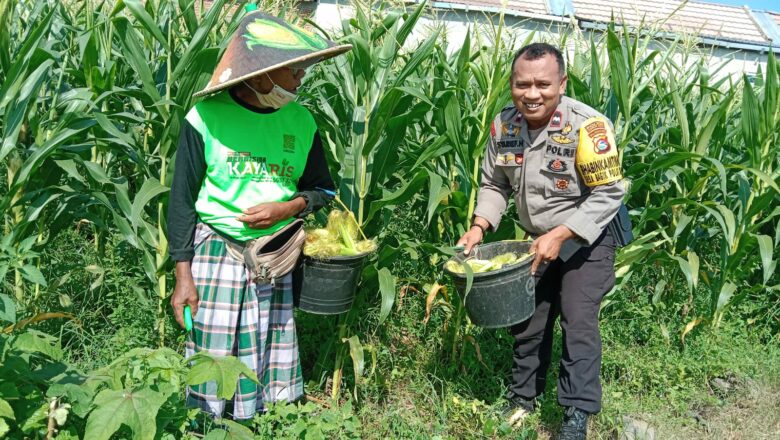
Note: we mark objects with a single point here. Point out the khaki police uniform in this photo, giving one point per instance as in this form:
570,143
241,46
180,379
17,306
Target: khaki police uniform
569,175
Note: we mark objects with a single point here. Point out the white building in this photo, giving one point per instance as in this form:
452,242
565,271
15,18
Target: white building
738,35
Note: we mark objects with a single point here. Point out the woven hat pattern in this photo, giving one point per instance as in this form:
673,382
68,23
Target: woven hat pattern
263,43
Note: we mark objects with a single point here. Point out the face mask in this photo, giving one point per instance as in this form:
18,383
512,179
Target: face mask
276,98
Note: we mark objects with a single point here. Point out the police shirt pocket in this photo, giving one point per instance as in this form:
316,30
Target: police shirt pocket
561,177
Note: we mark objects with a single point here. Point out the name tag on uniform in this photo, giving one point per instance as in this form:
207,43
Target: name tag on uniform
510,156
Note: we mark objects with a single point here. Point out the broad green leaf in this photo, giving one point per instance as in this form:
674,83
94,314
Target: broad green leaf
4,428
5,410
38,343
8,313
225,371
33,274
36,420
137,409
387,286
235,431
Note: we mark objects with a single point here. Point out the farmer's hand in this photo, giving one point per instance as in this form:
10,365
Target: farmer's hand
265,215
185,292
474,235
548,246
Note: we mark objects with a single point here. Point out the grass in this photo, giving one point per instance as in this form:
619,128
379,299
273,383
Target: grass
418,392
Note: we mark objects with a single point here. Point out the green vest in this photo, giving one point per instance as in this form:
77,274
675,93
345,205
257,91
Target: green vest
251,158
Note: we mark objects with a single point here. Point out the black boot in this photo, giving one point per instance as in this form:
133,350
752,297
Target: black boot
516,409
575,424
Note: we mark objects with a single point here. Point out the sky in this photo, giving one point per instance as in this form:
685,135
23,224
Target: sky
767,5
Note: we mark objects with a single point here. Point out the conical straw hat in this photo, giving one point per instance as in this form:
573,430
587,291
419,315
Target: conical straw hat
263,43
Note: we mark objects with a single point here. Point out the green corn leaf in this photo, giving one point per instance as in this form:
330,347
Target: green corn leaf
15,115
146,20
225,371
39,154
387,287
149,190
436,192
133,408
766,249
687,270
134,55
726,292
357,355
97,172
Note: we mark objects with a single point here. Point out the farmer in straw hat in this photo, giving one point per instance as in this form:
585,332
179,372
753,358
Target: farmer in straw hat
249,164
559,159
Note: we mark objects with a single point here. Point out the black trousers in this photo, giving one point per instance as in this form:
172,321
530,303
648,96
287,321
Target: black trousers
572,289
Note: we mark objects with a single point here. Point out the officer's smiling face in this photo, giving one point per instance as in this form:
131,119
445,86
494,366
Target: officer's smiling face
537,86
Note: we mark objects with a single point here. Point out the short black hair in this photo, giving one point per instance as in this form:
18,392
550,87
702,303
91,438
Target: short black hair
534,51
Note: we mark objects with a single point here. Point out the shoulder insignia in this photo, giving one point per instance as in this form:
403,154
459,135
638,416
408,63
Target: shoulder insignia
555,121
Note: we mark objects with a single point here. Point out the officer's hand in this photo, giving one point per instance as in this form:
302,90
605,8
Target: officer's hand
470,239
548,246
185,292
265,215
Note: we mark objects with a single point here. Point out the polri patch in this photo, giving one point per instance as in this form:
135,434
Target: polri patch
560,151
557,165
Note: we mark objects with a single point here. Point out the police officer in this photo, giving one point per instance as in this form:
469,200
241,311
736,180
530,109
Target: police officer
558,158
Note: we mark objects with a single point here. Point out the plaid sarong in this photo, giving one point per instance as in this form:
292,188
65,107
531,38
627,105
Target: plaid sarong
240,318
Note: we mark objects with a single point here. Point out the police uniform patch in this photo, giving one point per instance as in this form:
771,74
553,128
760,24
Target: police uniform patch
597,162
508,143
561,184
561,139
567,128
505,158
509,130
555,121
556,165
560,151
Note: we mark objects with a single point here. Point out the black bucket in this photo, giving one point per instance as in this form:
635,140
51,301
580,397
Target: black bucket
499,298
327,286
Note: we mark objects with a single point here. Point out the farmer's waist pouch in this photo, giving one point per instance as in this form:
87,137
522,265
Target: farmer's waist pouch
271,256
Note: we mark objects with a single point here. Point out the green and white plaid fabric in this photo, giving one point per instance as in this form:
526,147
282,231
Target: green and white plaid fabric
250,321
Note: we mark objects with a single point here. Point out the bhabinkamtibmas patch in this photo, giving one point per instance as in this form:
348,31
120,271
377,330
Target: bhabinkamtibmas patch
597,159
